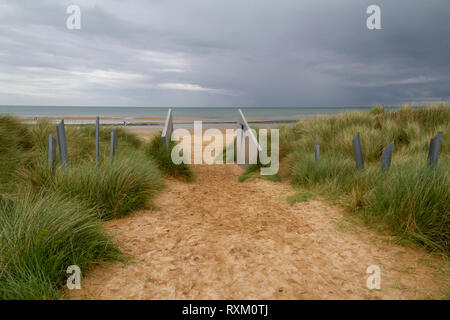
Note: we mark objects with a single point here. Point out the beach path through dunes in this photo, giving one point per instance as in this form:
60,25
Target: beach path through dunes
216,238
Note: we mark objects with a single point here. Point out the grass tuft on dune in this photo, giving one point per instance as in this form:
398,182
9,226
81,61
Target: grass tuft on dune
52,219
112,189
410,200
40,236
162,157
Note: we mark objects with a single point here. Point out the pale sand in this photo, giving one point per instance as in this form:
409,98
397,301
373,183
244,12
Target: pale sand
216,238
109,118
143,133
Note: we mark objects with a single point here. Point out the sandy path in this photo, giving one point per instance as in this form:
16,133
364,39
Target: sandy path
216,238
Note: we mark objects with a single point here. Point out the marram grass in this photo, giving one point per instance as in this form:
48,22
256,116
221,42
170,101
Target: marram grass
411,200
111,189
162,157
40,236
51,220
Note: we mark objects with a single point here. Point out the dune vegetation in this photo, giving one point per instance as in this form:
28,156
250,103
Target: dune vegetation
163,158
411,199
50,219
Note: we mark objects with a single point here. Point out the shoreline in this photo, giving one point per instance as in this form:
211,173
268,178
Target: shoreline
105,118
158,122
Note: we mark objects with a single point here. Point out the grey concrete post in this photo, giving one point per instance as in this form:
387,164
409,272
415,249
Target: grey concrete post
112,145
357,149
115,141
435,147
51,152
317,151
386,156
97,138
167,130
246,140
62,144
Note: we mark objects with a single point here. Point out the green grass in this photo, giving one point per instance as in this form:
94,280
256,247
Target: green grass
111,189
15,142
414,201
410,200
300,197
40,236
52,219
253,171
162,157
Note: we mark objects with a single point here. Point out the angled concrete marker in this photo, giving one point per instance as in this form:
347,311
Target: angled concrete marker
246,130
386,156
167,130
433,152
97,145
63,157
317,151
51,151
113,145
357,149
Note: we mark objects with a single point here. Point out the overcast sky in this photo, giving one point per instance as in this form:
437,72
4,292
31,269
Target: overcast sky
248,53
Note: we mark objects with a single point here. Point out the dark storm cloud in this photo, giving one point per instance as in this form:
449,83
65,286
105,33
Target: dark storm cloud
224,53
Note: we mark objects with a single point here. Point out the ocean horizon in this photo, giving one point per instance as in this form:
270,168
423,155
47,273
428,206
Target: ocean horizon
211,113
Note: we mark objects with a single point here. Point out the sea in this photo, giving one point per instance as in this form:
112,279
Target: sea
126,115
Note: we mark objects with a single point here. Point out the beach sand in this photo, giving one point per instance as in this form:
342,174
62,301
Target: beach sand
108,118
216,238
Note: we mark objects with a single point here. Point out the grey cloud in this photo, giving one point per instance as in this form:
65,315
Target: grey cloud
224,53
